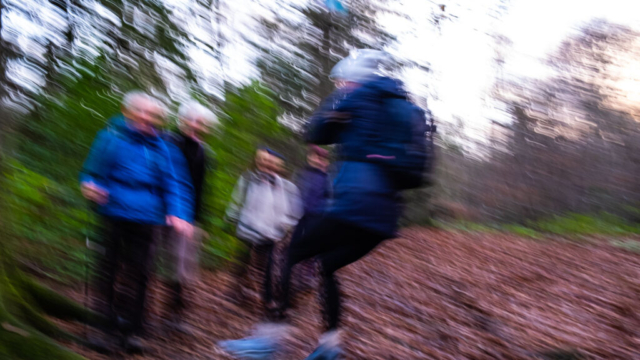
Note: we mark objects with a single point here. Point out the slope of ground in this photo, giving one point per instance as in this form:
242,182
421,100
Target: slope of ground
447,295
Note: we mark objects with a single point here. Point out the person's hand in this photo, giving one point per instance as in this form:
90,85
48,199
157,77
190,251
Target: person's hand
94,193
181,226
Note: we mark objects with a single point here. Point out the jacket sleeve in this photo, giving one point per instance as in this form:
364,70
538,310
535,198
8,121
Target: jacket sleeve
96,166
301,181
237,201
328,121
295,206
178,188
328,190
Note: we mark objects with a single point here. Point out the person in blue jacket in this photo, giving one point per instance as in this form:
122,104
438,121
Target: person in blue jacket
130,176
365,207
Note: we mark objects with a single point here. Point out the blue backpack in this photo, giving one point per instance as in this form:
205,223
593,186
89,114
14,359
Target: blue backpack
405,148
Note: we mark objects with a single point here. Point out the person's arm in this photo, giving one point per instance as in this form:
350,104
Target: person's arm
178,190
301,181
237,200
328,189
292,206
295,208
94,170
329,120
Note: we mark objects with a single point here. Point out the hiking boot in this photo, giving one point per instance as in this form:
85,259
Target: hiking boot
325,352
261,348
328,347
262,345
133,345
100,344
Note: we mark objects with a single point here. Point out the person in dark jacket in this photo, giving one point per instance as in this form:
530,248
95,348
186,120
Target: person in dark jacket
314,186
313,181
193,159
129,174
365,206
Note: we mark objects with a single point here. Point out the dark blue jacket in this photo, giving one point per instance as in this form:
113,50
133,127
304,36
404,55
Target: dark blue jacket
363,194
145,180
315,188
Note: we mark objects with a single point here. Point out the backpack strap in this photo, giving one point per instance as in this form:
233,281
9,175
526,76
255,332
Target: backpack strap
239,197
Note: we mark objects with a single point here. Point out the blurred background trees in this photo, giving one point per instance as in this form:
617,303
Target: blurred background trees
569,143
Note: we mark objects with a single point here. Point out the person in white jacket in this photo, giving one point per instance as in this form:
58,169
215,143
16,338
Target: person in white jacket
264,207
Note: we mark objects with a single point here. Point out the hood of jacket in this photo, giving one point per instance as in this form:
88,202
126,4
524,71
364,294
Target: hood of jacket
387,86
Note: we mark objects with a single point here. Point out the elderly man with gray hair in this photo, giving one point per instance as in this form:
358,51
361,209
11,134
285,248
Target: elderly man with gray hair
192,159
129,174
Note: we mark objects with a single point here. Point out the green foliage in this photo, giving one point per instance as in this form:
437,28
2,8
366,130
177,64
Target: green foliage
25,330
577,224
467,226
49,219
567,225
55,138
46,220
521,230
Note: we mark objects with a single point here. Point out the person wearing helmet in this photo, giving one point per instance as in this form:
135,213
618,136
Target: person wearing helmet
365,207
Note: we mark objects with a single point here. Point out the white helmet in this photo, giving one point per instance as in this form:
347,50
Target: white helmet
359,66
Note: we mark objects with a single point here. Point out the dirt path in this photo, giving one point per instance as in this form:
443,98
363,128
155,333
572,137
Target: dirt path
445,295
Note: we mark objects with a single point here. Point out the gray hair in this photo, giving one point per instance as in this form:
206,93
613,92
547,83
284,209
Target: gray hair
132,97
193,110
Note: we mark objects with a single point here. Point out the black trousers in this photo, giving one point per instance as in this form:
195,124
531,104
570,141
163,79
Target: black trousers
122,272
258,261
335,245
306,270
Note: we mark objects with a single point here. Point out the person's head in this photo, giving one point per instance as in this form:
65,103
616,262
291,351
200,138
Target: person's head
269,161
145,112
277,164
263,160
318,157
195,120
358,67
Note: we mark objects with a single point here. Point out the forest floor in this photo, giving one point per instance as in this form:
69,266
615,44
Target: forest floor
435,294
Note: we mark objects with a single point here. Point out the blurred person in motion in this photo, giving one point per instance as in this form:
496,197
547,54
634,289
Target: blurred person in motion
191,159
129,175
365,206
314,185
264,210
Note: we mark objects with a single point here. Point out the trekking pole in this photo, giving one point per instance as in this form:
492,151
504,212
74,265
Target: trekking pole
90,246
87,227
86,280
